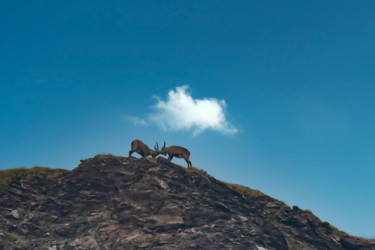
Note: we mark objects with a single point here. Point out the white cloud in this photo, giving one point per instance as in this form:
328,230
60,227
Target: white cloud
136,120
181,112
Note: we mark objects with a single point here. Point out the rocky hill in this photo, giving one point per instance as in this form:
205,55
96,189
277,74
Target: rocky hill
110,202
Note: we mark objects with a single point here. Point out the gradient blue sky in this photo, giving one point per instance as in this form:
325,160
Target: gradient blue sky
297,78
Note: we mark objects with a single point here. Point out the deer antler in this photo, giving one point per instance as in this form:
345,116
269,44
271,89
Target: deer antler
156,147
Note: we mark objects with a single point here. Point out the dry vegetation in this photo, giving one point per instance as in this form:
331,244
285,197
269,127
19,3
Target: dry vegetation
105,156
245,191
6,176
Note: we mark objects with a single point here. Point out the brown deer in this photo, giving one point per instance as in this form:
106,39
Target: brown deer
176,151
142,149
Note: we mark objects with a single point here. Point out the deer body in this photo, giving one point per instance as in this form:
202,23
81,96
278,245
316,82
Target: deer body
142,149
176,151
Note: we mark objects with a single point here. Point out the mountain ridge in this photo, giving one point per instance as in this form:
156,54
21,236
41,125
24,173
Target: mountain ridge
112,202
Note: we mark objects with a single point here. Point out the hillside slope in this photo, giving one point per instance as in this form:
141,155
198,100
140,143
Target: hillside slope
110,202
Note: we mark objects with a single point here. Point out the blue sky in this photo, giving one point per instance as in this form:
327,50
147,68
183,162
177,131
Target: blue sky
277,96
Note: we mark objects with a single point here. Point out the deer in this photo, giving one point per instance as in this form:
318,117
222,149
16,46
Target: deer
176,151
142,149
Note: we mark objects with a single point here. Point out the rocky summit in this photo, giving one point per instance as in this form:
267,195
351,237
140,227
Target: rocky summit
110,202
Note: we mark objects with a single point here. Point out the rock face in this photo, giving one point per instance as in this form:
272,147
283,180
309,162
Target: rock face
112,202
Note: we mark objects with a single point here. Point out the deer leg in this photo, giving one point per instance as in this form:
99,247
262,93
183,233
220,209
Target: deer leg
130,153
189,163
170,157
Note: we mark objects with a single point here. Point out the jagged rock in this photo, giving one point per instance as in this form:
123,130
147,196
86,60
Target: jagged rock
243,218
112,202
85,243
15,214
